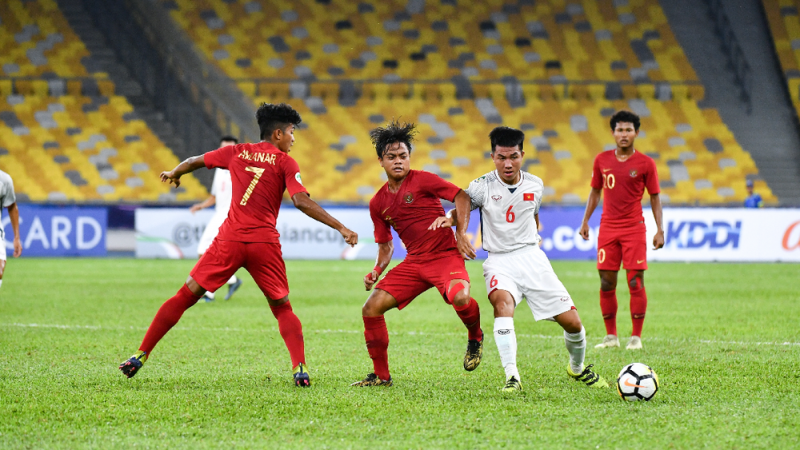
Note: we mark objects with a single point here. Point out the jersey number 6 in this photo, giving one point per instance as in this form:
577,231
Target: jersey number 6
510,216
258,172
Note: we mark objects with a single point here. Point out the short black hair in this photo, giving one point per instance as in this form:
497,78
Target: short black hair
228,138
270,117
625,116
394,132
507,137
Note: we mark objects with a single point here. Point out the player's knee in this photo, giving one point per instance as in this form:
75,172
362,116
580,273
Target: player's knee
570,321
607,285
636,279
367,310
373,307
573,326
461,298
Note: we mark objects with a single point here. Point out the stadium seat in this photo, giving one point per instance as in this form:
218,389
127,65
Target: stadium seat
87,148
373,41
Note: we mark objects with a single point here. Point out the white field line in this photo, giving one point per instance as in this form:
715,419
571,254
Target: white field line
409,333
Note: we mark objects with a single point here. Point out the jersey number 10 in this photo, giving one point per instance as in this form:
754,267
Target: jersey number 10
609,181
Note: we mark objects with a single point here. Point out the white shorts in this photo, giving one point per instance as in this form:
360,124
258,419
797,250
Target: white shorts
212,228
527,273
3,247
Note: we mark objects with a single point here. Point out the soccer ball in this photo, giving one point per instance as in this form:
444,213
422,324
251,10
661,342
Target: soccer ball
636,382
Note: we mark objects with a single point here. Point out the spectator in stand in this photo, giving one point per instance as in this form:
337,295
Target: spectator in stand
753,200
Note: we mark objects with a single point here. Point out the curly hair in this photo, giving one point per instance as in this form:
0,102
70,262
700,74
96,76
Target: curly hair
271,117
506,137
394,132
625,116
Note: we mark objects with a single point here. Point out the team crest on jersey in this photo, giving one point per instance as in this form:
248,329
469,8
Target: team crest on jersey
633,173
497,198
409,197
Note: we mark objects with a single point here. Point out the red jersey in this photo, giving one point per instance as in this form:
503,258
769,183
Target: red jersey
623,184
411,210
260,173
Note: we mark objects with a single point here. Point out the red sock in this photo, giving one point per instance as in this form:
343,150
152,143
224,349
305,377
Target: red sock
608,306
292,332
470,314
167,316
638,308
377,337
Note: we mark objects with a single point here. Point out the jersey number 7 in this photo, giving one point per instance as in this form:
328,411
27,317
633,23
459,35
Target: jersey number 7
258,172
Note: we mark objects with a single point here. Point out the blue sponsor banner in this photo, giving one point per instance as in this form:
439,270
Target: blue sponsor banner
560,227
59,231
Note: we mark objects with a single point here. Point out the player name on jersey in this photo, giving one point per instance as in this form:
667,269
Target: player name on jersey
258,157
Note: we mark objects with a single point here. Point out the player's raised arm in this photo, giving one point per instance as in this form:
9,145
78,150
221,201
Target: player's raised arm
591,205
310,208
189,165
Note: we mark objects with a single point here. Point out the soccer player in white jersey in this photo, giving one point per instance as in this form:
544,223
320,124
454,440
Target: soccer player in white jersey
8,199
517,268
220,198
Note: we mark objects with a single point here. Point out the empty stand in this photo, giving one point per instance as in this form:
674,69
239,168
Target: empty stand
36,41
784,23
76,148
698,159
626,41
84,148
64,133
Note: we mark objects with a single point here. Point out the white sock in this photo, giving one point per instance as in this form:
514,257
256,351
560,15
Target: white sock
1,282
576,346
210,295
506,341
232,280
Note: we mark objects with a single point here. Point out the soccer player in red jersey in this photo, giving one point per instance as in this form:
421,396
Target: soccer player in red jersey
622,175
409,202
260,173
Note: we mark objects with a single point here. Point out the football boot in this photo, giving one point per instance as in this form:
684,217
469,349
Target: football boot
373,380
133,364
512,385
608,342
301,378
472,358
635,343
233,288
588,377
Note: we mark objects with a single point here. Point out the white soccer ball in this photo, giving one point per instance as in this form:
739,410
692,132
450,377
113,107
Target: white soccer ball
636,382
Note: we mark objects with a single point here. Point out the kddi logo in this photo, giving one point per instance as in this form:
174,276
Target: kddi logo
697,234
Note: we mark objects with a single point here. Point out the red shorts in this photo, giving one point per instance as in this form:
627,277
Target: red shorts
263,261
627,244
409,278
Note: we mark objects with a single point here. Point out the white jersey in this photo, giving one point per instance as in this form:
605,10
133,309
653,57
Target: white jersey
7,198
221,189
507,211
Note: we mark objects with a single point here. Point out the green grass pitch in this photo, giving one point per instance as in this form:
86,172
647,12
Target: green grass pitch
723,338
